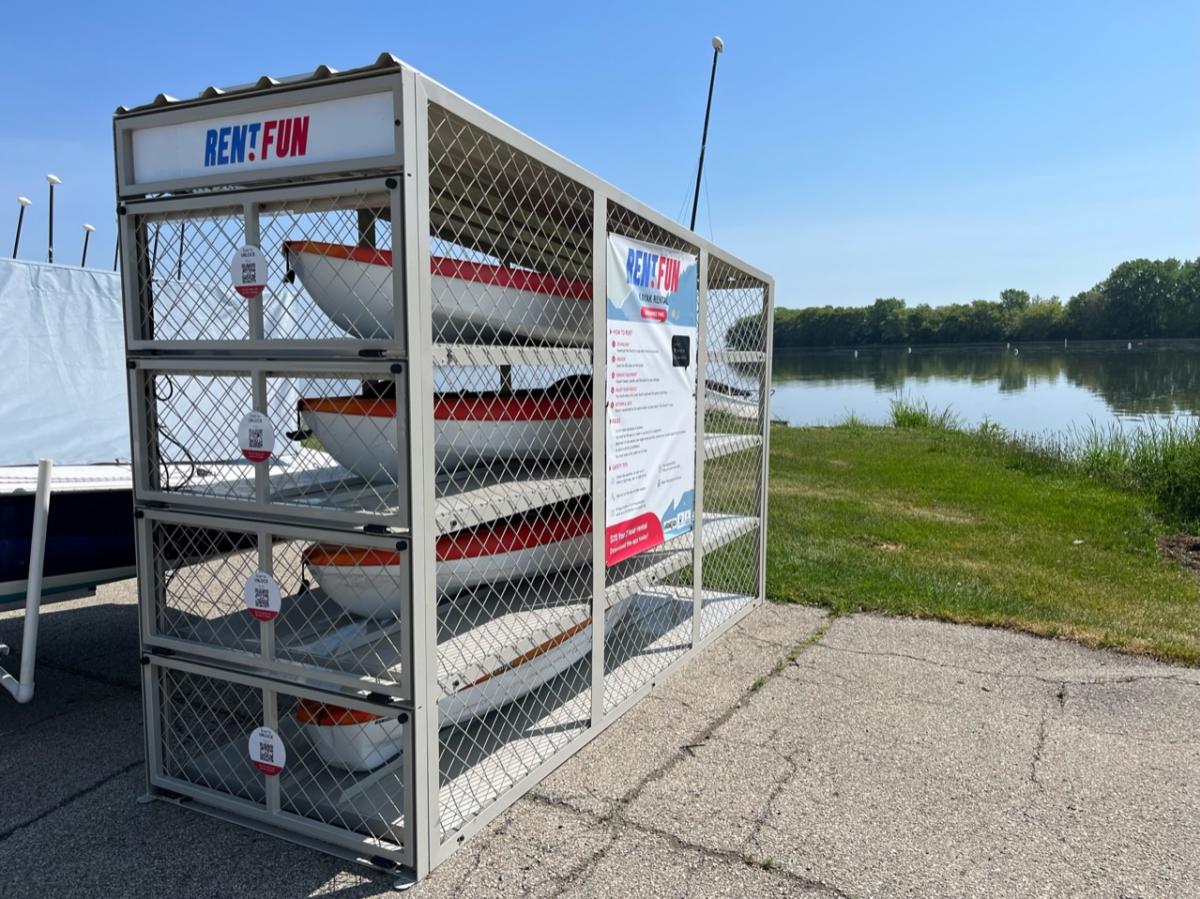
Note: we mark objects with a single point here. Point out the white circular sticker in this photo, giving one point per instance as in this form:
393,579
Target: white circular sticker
249,271
262,596
256,437
267,752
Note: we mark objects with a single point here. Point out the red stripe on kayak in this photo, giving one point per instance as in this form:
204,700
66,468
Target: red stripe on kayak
491,541
511,408
473,543
479,272
309,711
482,407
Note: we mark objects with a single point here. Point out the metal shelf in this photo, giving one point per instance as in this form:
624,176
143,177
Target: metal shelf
466,498
495,354
718,445
741,357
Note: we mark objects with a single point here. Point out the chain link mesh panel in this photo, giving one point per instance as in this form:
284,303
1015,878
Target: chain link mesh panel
514,592
342,761
329,272
511,242
335,606
339,444
735,391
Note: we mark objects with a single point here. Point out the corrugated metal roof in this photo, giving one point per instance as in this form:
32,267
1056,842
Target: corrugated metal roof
266,82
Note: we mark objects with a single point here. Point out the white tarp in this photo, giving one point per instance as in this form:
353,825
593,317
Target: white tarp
62,354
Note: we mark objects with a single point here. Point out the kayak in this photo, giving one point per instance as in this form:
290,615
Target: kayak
362,741
364,433
734,401
473,302
373,583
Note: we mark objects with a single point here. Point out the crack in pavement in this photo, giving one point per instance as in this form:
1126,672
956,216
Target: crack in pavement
615,821
702,737
88,674
1101,681
67,800
792,772
1038,749
25,728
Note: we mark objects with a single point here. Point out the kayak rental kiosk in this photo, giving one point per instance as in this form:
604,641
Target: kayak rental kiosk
446,452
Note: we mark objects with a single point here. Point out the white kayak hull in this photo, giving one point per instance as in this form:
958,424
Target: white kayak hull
370,446
367,745
381,591
471,302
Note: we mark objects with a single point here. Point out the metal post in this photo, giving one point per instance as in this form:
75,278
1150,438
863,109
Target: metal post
266,562
271,720
426,797
262,470
701,396
87,233
599,445
51,180
179,266
764,398
22,690
366,228
718,46
22,202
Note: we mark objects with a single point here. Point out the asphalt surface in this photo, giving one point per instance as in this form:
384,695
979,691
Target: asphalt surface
796,757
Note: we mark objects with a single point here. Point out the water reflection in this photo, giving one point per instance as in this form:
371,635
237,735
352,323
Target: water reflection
1034,387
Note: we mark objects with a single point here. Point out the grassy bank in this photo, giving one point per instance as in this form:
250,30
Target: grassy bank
929,521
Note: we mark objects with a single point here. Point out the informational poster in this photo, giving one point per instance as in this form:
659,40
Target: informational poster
650,397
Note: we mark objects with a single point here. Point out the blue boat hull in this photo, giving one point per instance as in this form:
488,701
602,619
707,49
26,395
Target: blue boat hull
89,540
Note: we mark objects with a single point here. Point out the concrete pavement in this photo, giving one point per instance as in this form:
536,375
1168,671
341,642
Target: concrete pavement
796,757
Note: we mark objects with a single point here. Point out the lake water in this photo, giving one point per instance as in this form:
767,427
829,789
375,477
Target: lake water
1031,388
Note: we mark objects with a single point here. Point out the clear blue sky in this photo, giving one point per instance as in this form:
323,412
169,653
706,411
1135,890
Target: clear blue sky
935,151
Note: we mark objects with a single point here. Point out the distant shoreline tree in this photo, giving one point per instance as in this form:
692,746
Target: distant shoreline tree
1141,298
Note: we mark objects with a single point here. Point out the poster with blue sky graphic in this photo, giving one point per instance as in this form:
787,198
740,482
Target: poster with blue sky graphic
650,397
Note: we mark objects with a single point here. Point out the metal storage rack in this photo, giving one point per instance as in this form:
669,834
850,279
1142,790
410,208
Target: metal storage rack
445,630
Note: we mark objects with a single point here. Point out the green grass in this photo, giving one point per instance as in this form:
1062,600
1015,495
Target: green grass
1162,460
979,527
917,413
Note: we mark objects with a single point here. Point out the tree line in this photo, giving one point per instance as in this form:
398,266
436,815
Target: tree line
1142,298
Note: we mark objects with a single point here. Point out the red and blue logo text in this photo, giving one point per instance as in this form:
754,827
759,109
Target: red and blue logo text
643,269
256,141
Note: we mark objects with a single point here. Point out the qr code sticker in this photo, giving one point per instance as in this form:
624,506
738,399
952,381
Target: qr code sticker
266,751
256,438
